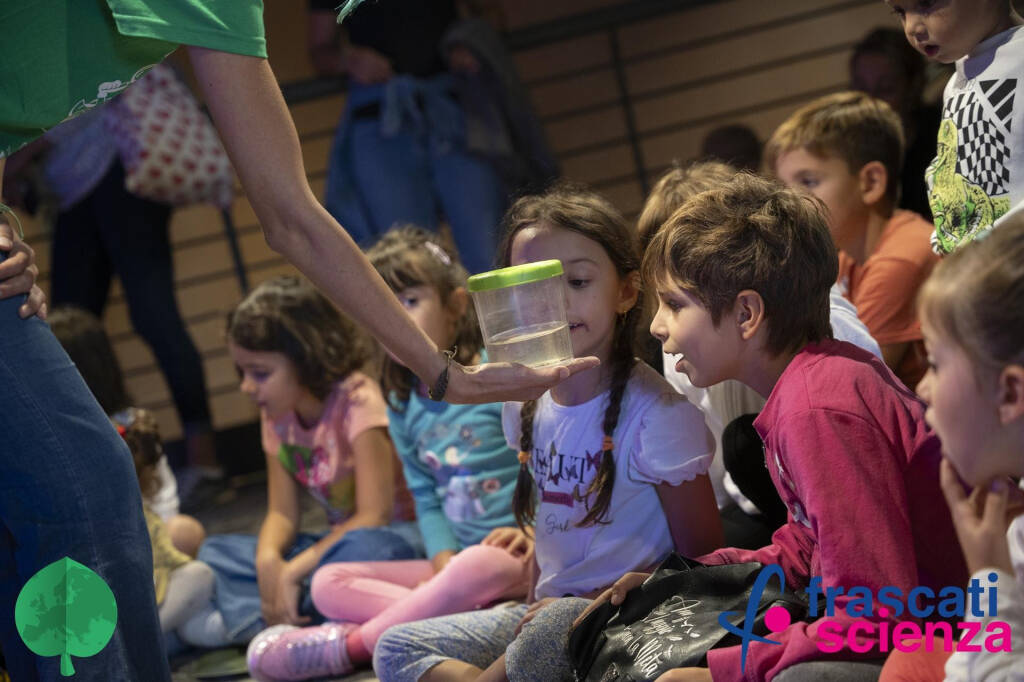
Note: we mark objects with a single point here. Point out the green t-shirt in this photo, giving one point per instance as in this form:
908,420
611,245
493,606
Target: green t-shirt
59,58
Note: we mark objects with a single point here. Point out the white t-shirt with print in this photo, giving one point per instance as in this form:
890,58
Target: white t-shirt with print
660,438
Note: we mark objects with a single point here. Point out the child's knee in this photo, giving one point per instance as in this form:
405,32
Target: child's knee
477,567
186,533
539,652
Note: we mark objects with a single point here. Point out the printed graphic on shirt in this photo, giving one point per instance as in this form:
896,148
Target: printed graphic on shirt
562,477
105,91
463,489
968,182
315,471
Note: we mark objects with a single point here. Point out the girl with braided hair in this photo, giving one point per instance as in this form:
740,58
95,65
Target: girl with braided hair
613,462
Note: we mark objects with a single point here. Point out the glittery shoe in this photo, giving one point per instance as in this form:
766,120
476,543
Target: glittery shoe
284,653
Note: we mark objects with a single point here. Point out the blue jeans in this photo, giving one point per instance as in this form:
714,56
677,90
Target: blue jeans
68,488
233,560
408,176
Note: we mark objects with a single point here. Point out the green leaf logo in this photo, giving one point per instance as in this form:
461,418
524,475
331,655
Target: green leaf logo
65,609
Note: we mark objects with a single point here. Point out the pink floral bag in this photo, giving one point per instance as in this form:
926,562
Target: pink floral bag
170,149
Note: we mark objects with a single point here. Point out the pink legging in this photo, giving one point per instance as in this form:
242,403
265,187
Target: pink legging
379,594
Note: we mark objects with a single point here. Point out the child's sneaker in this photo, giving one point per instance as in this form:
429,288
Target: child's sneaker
284,653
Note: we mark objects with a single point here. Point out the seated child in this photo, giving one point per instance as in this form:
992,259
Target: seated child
975,391
324,427
183,585
461,474
723,404
742,275
847,149
613,461
87,344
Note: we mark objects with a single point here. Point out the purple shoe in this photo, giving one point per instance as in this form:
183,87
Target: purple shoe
285,653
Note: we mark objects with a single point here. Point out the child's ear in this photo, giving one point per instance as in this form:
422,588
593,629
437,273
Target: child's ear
629,291
874,180
749,313
1011,394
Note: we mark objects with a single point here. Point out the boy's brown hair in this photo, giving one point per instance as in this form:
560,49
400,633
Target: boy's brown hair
678,184
852,126
752,233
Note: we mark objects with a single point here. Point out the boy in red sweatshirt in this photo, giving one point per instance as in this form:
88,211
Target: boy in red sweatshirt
742,275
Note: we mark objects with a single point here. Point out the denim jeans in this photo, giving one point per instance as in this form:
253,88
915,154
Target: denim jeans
68,489
409,175
233,560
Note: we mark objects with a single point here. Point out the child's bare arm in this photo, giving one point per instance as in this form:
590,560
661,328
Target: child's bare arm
692,515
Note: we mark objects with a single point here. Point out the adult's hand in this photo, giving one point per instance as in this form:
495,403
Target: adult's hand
18,271
500,381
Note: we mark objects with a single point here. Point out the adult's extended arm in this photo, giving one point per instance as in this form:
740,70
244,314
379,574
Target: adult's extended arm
257,129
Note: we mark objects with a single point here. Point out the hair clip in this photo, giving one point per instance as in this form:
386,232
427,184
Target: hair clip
438,253
524,457
607,444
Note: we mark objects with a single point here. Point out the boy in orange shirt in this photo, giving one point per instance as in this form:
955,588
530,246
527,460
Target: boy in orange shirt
847,150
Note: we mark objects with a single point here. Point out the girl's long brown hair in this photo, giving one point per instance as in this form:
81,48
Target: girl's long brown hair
410,256
574,208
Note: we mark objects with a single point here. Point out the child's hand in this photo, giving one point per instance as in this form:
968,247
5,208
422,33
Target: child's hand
268,574
289,589
686,675
513,540
615,594
982,519
532,612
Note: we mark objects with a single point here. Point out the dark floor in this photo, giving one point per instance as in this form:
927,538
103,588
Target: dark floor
240,509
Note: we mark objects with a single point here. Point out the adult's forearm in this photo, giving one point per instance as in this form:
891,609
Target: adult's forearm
247,107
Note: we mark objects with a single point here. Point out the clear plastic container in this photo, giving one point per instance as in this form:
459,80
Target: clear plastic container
521,310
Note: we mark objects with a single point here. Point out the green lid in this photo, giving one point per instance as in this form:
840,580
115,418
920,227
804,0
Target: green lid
517,274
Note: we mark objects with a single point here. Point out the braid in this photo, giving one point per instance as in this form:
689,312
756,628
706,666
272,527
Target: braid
622,367
524,499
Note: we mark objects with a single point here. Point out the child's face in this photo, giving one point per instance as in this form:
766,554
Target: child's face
269,379
595,292
426,308
705,353
829,179
946,30
963,410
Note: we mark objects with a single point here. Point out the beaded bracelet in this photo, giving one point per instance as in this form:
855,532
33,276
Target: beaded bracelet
440,387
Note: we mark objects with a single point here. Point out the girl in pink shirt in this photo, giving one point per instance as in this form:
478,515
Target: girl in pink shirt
324,426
